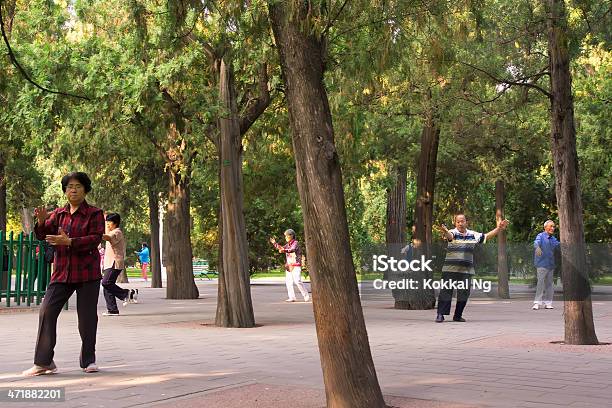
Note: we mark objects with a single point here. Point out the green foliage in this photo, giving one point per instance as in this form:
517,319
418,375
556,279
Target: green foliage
389,66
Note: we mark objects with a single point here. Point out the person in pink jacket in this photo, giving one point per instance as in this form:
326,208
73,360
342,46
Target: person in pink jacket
293,265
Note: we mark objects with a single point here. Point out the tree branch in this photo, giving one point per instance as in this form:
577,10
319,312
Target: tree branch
22,70
257,106
209,131
331,22
140,121
509,82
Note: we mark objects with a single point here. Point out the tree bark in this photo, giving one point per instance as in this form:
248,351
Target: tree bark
3,208
503,289
395,231
222,314
423,299
9,14
579,325
27,222
426,181
348,369
156,280
234,304
177,226
123,278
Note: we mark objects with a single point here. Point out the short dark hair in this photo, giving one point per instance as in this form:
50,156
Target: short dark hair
82,178
144,244
114,217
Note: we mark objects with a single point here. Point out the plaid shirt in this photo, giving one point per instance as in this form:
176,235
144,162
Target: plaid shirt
293,252
79,262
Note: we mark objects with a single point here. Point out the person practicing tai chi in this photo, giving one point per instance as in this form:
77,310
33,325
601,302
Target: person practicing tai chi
545,246
458,266
114,262
293,265
74,231
145,258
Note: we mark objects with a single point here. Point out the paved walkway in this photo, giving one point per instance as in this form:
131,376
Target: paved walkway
166,353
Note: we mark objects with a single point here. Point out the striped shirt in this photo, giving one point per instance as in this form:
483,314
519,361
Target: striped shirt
460,251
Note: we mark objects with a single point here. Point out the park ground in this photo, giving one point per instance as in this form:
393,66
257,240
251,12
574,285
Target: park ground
167,353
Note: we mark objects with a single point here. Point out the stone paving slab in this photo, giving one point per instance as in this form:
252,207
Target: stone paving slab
268,395
167,352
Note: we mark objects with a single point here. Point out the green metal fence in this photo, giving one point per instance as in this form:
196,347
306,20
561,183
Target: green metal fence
24,274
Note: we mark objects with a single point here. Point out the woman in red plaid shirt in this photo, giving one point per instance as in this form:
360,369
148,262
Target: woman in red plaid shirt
75,232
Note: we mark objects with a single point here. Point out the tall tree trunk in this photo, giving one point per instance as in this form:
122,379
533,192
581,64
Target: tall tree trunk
348,369
503,289
234,304
422,299
27,222
3,207
579,325
8,9
426,182
395,231
178,228
222,314
156,281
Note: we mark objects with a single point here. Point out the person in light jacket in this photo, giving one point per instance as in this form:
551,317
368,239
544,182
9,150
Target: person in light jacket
545,246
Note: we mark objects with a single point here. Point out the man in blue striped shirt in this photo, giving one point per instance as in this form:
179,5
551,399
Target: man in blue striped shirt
459,265
545,246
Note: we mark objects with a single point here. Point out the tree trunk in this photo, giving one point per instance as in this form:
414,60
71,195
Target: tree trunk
348,369
27,222
579,326
503,289
222,314
156,281
395,231
426,181
8,8
123,278
234,304
423,299
3,208
178,228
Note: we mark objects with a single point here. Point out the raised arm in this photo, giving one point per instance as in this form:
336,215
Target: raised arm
446,234
45,224
500,226
113,236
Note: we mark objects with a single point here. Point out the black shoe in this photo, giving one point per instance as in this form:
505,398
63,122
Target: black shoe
439,318
110,313
458,319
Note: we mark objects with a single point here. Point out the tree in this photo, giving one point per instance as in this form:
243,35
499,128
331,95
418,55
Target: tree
579,325
8,13
503,289
348,369
240,102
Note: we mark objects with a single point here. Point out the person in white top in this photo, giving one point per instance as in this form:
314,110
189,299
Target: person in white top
293,265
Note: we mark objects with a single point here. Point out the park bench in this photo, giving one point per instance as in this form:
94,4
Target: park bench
202,270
